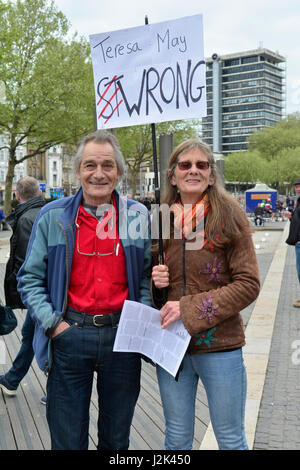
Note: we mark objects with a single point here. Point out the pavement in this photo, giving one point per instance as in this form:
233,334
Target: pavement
272,351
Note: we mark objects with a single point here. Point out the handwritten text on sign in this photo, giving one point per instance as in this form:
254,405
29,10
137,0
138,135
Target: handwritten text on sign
151,73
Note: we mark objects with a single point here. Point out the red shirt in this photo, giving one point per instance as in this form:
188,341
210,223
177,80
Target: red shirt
98,283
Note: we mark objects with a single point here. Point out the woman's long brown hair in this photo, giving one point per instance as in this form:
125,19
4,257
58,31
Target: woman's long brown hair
225,221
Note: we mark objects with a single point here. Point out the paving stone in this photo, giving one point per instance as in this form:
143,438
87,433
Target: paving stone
278,421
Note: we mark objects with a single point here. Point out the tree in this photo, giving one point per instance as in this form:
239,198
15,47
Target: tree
289,166
136,143
278,145
49,93
247,167
271,140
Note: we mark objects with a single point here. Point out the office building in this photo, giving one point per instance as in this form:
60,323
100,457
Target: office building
245,93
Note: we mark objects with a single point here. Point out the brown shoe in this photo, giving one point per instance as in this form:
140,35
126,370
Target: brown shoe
297,303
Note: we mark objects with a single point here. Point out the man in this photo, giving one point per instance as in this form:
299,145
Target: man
21,220
3,223
269,209
258,214
294,234
83,261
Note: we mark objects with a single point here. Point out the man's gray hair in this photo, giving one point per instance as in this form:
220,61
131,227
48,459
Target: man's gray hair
27,188
100,137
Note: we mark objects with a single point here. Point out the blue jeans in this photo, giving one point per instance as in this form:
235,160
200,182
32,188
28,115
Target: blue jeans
25,355
297,248
78,352
224,378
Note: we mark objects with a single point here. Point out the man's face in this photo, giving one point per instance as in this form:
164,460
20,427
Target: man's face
297,189
98,173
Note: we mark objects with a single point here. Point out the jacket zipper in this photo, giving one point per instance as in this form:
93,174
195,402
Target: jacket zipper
49,362
183,267
67,268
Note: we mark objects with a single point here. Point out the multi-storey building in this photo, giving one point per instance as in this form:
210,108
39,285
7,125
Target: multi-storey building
61,178
245,93
20,169
69,181
54,170
36,166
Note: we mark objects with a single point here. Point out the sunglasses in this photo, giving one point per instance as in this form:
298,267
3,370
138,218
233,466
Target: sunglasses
187,165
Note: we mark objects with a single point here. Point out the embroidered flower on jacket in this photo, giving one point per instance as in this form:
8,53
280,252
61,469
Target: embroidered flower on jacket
206,337
208,309
214,270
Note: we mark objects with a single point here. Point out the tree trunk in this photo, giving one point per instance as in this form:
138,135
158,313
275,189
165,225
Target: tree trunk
8,182
133,183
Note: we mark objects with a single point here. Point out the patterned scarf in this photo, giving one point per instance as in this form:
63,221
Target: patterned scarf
188,217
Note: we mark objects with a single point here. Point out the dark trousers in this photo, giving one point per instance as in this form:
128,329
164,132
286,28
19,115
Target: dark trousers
78,352
25,355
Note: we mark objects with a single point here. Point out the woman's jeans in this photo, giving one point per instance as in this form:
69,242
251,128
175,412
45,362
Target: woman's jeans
78,352
223,375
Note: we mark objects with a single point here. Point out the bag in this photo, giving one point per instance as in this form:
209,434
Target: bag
8,320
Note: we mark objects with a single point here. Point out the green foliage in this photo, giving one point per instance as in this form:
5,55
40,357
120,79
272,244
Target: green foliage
271,140
48,82
244,166
273,156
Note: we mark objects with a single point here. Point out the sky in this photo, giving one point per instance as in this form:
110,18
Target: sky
229,26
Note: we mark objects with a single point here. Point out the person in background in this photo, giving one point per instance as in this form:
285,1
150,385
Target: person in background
3,222
269,209
290,204
21,221
294,233
210,274
278,208
82,263
258,214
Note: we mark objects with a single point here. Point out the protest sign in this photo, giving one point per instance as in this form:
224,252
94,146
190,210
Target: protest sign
151,73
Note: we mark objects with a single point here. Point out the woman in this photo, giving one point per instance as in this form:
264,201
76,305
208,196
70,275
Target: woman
210,274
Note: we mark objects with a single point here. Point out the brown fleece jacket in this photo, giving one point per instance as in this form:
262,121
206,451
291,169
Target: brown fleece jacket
213,285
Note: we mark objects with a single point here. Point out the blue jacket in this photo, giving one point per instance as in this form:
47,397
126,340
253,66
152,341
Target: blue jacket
44,277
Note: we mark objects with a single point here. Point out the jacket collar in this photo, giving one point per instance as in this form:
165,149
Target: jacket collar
37,201
69,214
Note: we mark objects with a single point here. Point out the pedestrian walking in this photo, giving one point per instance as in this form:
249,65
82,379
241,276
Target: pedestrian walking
21,221
82,263
211,274
294,233
3,222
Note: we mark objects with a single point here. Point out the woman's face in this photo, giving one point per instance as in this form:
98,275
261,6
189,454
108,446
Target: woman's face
192,182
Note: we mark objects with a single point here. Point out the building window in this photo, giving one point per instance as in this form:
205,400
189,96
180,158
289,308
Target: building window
248,60
229,63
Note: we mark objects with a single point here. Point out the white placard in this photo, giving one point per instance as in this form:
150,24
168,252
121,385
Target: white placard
140,331
151,73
